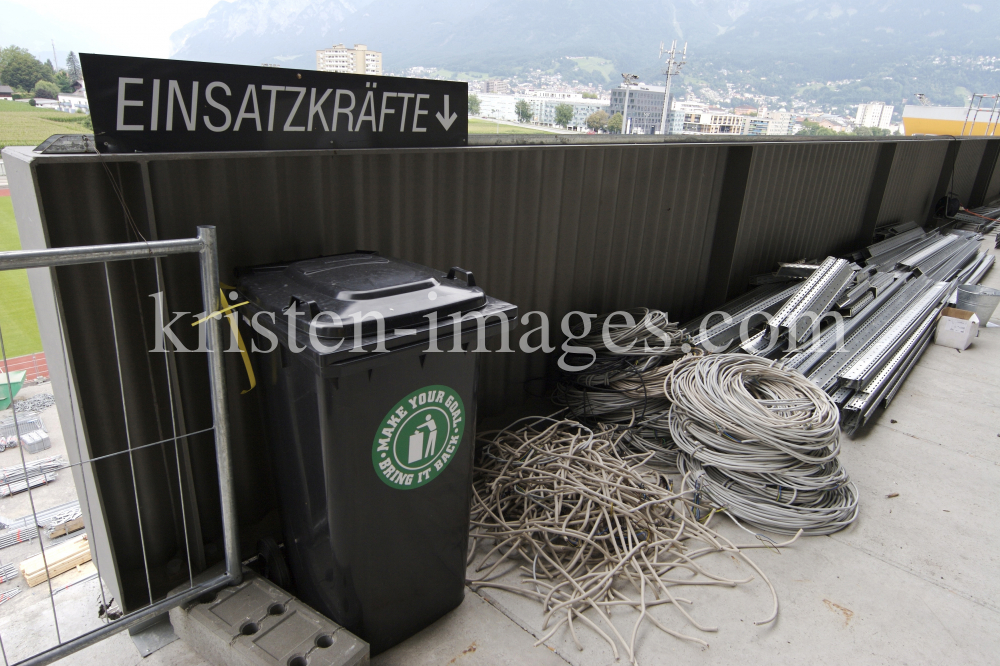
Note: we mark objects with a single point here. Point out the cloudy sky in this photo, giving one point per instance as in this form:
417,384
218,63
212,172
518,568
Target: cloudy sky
137,28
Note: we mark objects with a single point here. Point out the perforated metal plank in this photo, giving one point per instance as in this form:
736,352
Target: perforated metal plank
905,372
894,242
826,374
818,352
858,306
863,368
723,333
813,299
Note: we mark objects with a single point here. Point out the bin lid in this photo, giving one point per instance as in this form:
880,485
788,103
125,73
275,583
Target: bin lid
356,285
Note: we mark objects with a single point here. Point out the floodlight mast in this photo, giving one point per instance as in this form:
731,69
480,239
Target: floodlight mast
628,80
672,69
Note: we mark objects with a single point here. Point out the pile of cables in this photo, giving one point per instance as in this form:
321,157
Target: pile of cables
624,385
760,442
590,530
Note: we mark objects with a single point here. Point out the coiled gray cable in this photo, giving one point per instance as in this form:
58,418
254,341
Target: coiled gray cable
761,442
625,385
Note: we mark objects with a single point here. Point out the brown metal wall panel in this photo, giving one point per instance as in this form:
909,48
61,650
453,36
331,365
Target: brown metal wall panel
970,156
909,192
801,201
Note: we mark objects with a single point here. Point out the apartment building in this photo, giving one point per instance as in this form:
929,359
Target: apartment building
357,60
874,114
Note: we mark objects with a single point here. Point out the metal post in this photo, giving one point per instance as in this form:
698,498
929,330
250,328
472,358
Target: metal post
210,293
673,67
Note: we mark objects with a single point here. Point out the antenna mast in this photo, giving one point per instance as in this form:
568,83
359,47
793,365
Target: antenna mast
672,69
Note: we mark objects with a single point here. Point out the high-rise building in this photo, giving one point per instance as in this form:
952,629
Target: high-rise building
645,106
874,114
357,60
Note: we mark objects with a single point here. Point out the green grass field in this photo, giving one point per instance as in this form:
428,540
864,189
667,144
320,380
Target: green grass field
24,125
477,126
17,313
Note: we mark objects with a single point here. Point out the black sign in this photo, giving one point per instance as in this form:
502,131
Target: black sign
149,105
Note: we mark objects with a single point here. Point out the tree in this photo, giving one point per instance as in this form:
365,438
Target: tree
63,81
615,123
19,69
73,67
598,120
589,95
523,111
8,54
564,114
46,90
863,131
473,104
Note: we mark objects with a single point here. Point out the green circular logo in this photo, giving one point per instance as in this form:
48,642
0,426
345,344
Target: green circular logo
418,437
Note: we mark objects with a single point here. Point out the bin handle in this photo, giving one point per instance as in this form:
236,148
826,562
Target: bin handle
470,279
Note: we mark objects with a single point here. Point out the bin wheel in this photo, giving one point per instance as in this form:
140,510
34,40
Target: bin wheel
275,569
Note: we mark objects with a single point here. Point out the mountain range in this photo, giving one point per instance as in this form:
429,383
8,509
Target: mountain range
773,46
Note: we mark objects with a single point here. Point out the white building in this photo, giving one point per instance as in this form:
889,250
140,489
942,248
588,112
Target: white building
543,105
358,60
874,114
74,102
771,123
500,107
712,122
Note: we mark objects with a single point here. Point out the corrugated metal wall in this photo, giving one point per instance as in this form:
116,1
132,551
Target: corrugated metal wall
572,226
909,191
970,156
801,201
993,189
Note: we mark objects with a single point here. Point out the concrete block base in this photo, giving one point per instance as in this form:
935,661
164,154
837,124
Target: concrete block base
257,623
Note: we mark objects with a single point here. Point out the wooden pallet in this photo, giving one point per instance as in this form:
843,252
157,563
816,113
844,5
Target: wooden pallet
61,559
68,527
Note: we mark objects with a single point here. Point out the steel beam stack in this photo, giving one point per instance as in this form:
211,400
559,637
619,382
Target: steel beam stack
887,312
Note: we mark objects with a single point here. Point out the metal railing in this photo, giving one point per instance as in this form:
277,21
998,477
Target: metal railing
205,246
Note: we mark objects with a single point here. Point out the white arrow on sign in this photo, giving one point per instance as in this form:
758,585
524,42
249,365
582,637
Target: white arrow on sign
442,119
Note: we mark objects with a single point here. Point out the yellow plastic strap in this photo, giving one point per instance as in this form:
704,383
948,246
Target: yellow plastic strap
234,323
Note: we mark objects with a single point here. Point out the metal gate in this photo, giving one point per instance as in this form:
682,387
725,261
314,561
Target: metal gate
204,245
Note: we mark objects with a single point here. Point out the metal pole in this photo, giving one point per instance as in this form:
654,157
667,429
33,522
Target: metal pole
673,68
666,91
65,256
210,293
625,112
75,645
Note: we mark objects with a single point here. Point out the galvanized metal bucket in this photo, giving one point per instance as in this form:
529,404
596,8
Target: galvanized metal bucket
981,300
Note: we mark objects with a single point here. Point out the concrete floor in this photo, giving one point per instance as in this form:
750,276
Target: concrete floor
914,581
